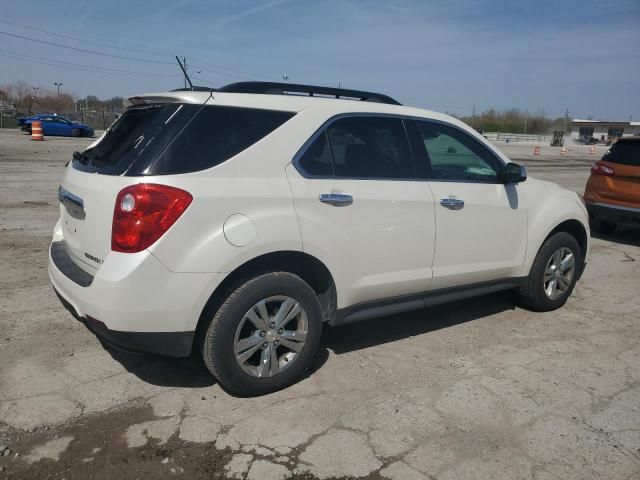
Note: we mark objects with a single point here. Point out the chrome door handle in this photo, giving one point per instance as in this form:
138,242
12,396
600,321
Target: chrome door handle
336,199
452,203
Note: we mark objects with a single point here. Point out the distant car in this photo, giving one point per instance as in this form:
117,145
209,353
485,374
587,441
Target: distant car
24,121
590,141
612,194
57,125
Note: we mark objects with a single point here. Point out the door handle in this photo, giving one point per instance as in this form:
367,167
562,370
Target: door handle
452,203
336,199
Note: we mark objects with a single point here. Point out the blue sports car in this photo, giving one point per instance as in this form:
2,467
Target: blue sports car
58,125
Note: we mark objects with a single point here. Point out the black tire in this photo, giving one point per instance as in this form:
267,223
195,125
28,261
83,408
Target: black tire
602,227
218,343
76,132
532,293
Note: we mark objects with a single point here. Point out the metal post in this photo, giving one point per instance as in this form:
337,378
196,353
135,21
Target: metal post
566,116
526,115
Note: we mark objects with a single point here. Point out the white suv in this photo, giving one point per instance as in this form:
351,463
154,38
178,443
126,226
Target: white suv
236,222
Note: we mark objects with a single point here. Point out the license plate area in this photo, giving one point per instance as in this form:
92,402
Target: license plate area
72,203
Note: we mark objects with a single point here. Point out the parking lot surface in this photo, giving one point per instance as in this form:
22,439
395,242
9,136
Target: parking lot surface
477,389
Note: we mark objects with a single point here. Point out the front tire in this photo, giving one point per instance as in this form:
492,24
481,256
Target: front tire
263,337
553,274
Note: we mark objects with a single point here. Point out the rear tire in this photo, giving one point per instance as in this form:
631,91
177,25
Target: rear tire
554,273
249,349
602,227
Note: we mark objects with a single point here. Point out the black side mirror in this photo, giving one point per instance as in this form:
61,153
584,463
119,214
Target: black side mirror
514,173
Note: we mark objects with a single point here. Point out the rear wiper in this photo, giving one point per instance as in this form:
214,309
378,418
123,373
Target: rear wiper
81,157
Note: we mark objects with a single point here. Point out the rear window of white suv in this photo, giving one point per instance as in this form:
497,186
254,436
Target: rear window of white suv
167,139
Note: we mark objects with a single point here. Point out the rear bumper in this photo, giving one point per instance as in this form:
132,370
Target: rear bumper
170,344
614,214
133,302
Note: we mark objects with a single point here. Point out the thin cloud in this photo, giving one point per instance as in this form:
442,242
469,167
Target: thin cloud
224,21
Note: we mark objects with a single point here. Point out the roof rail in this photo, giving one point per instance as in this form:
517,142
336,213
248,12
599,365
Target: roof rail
275,88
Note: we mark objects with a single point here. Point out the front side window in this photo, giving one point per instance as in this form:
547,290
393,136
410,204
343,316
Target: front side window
455,156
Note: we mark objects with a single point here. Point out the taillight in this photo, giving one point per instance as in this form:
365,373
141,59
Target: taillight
142,214
600,169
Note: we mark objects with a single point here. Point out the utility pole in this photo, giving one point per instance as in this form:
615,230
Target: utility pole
58,84
473,117
526,115
566,118
35,97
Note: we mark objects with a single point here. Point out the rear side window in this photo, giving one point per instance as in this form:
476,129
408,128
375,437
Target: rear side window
177,138
624,152
215,135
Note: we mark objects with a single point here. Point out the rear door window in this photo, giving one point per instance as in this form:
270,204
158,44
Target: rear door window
370,147
624,152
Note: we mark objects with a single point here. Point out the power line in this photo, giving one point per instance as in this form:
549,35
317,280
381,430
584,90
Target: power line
85,69
213,68
93,52
106,69
69,37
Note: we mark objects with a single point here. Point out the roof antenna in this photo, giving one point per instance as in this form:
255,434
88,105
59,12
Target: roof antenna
186,77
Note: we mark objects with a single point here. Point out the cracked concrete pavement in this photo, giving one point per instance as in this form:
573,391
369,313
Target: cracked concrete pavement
479,389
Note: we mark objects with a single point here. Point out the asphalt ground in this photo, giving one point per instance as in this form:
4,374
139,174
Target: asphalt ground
477,389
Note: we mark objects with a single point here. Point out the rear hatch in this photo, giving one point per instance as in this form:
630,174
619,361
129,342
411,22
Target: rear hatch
149,139
623,186
93,179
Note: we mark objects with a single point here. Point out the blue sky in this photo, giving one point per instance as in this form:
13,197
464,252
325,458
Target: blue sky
446,55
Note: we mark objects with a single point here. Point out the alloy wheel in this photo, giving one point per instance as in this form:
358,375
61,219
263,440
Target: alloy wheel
270,336
559,273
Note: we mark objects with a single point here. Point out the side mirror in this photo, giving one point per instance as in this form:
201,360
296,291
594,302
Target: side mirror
514,173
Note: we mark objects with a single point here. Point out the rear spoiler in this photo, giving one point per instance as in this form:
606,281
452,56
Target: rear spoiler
177,97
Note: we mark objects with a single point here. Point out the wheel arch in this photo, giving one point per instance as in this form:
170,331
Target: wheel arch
306,266
573,227
576,229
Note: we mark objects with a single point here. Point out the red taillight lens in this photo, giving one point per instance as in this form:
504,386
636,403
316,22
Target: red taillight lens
143,213
600,169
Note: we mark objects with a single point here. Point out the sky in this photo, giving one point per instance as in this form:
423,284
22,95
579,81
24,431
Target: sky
449,56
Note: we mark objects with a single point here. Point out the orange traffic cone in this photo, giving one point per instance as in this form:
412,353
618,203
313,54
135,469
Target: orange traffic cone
563,151
592,150
536,150
36,130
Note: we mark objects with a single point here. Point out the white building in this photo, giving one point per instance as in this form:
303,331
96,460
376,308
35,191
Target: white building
602,131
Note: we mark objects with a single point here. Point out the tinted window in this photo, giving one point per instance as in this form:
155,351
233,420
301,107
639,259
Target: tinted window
370,147
625,152
215,135
177,138
455,156
134,138
317,159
